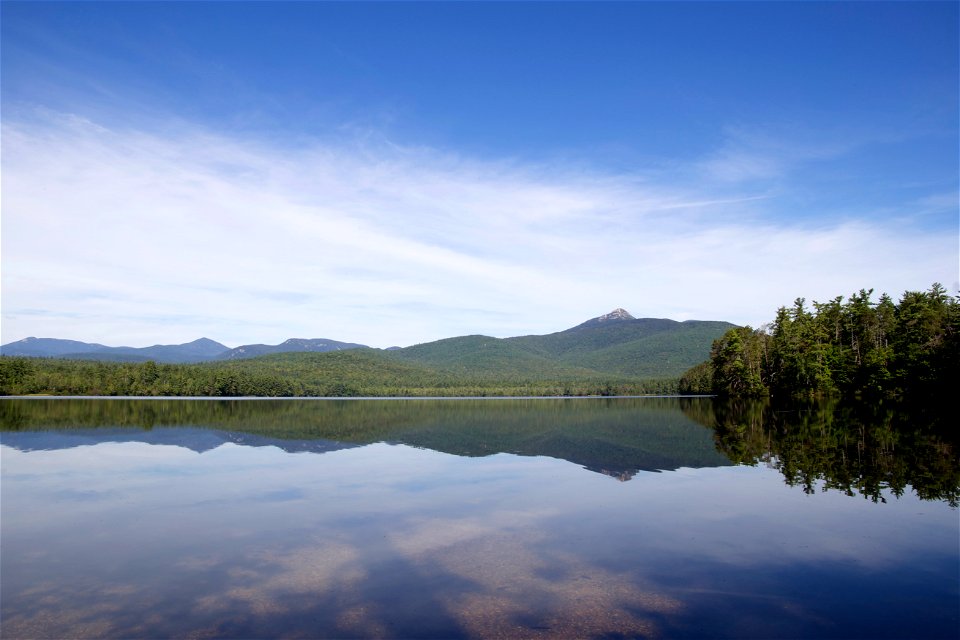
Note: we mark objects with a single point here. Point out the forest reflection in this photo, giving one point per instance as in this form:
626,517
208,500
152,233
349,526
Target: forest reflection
617,437
869,450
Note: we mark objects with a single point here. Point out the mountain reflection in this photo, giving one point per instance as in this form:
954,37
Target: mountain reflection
616,437
859,449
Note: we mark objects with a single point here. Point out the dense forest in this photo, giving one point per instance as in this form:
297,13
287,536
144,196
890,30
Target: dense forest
352,373
857,348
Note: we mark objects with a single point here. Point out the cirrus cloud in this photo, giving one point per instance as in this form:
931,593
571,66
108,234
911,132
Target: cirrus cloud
140,236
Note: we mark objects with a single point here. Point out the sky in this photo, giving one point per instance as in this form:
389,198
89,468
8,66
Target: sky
396,173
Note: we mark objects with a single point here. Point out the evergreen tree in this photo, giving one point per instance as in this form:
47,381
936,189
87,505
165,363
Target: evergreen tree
737,360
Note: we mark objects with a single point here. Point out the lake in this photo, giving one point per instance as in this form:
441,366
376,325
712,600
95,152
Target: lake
570,518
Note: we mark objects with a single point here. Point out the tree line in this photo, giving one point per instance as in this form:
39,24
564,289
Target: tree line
337,374
856,347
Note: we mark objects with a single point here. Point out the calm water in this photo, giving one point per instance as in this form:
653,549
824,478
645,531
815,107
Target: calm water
587,518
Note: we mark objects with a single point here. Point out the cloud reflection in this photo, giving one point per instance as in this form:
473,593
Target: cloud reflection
393,541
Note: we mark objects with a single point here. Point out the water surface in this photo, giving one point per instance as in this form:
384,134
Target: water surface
485,518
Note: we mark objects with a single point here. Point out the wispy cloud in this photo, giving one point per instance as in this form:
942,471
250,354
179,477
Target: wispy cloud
771,151
250,241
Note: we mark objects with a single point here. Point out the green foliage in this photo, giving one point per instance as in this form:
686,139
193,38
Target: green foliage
926,345
13,373
738,361
697,380
354,372
799,355
858,348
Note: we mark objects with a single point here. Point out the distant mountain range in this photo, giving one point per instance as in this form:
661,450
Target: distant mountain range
614,343
296,345
197,351
202,350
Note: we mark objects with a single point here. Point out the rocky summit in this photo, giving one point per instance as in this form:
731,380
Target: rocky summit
616,314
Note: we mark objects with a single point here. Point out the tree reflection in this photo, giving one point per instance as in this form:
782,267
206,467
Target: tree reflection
617,437
871,450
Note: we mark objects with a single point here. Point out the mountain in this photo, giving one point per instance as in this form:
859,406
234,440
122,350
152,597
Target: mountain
612,344
297,345
48,347
202,350
619,343
196,351
485,356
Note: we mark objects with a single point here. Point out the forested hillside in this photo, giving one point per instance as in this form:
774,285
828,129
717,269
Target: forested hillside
857,347
491,358
614,354
629,346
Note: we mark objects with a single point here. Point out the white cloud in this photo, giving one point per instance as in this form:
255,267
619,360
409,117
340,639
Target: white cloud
123,236
773,151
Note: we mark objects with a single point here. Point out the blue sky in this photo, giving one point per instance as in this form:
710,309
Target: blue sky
401,172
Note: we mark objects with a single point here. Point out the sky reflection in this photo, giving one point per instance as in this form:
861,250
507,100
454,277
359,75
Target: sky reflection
128,539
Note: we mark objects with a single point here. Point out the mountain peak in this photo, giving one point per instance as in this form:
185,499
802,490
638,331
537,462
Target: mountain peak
616,314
